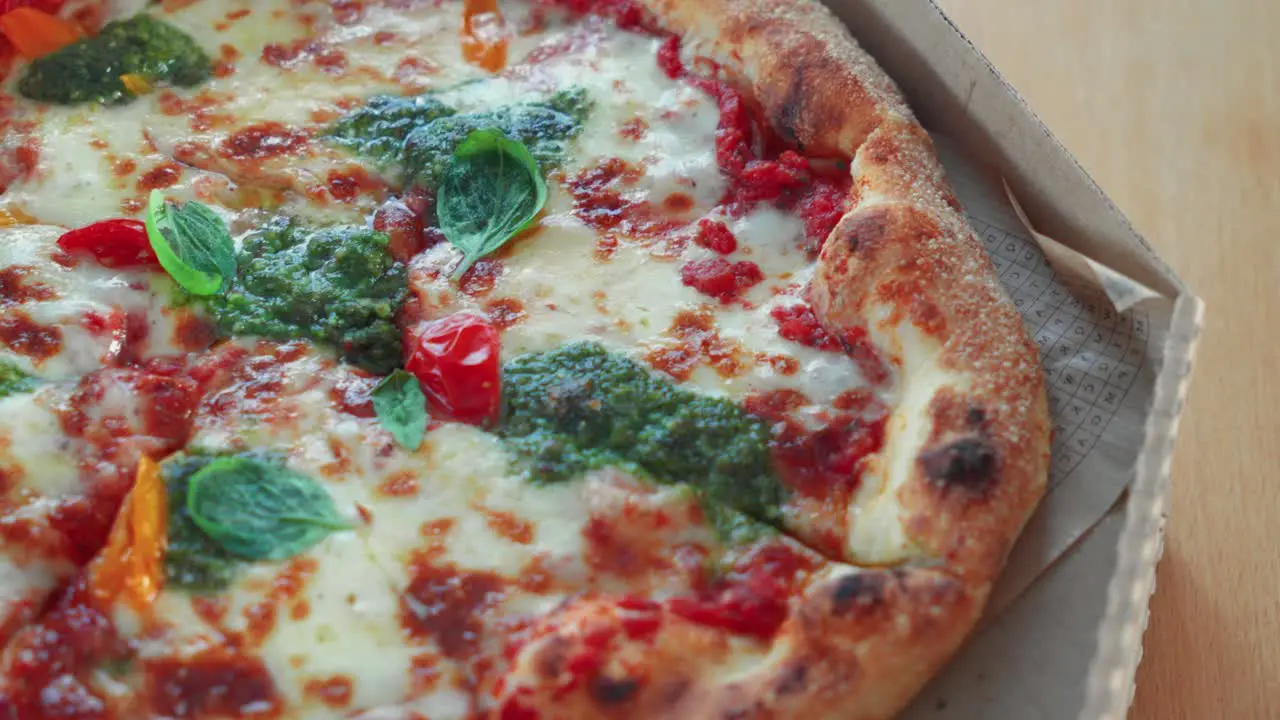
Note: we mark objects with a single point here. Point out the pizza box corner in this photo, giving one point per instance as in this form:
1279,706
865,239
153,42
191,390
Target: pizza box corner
1066,646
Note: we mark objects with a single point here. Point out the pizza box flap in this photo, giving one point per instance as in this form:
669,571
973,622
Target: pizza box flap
1070,645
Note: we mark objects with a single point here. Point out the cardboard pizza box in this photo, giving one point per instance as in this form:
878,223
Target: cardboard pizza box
1064,635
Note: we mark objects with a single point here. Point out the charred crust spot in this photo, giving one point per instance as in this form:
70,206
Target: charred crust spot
968,463
868,228
550,661
856,591
611,691
792,679
674,690
975,417
791,109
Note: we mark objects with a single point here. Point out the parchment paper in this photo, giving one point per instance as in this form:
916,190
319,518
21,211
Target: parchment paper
1099,335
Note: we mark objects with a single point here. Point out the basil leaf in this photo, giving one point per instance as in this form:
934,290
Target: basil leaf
258,510
400,405
491,190
14,380
192,243
192,560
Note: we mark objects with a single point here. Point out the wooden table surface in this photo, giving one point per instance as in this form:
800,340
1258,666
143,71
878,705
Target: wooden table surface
1174,107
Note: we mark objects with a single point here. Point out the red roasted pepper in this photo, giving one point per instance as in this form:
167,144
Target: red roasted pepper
116,244
456,360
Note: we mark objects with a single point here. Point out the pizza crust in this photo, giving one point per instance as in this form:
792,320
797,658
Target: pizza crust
966,454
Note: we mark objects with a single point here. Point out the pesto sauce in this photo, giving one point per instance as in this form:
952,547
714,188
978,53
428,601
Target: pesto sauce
337,286
14,380
90,69
581,407
420,134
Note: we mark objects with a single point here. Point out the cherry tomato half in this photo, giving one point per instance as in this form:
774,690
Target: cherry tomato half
117,244
456,360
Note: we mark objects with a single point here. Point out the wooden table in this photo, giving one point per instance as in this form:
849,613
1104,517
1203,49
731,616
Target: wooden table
1174,107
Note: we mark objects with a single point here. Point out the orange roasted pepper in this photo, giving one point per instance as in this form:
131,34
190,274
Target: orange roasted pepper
484,36
36,33
131,566
136,84
14,216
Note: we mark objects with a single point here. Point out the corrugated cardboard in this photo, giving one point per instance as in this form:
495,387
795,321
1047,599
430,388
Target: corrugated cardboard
1070,646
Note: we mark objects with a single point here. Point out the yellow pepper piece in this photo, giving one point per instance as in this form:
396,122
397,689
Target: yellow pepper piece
131,566
136,84
484,37
14,216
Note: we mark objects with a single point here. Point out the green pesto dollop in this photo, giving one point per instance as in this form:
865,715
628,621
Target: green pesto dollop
420,134
337,286
378,129
90,69
192,560
14,380
581,407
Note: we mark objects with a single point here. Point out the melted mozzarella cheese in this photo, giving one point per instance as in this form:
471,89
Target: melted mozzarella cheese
363,611
455,501
630,299
78,294
293,66
35,451
36,468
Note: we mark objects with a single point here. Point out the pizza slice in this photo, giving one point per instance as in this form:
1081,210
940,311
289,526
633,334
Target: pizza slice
87,389
553,360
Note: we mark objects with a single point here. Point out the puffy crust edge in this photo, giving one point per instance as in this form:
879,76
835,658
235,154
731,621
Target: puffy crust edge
903,260
970,465
856,642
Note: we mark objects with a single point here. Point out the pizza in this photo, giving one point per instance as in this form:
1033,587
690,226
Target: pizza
403,359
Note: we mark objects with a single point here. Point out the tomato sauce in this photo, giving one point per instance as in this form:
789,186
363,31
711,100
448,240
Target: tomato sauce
715,236
347,12
509,526
335,691
634,129
798,323
17,287
599,202
774,173
160,177
753,598
51,661
263,140
353,393
193,333
218,682
123,167
347,184
721,279
447,604
504,313
821,459
696,340
611,547
260,617
401,484
329,59
23,335
251,385
480,278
